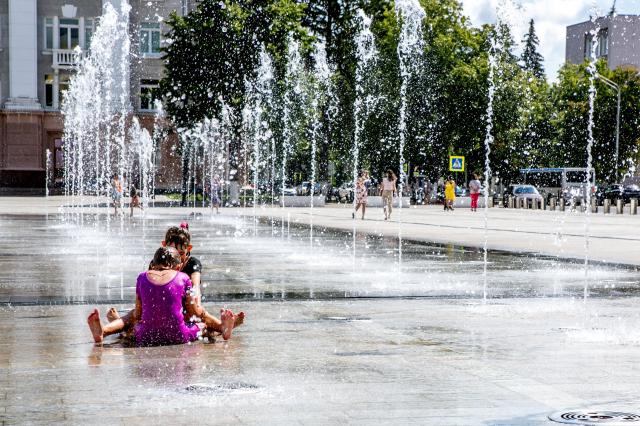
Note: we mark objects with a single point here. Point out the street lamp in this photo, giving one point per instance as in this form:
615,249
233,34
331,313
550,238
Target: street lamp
615,87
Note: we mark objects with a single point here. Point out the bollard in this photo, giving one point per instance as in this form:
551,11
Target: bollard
562,204
606,205
552,204
619,206
594,205
490,202
534,204
510,202
634,206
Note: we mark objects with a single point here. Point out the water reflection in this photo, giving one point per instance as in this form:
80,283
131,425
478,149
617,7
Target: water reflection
88,262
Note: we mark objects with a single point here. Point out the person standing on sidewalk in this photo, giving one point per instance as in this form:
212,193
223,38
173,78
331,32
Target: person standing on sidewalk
449,193
474,191
388,190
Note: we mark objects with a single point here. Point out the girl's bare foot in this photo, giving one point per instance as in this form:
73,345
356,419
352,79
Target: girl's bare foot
239,319
95,326
228,320
112,314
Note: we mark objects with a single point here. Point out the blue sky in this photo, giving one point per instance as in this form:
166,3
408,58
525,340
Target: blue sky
551,18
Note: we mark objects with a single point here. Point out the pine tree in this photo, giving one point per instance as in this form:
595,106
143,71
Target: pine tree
532,60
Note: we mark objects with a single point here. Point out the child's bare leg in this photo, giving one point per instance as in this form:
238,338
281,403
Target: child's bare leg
228,320
95,326
112,314
215,325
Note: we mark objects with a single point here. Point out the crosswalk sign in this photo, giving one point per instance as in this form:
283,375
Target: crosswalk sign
456,163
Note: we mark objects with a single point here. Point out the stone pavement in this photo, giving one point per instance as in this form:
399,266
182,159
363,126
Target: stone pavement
612,238
336,333
366,362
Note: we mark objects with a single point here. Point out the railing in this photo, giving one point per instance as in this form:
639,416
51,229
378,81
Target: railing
63,58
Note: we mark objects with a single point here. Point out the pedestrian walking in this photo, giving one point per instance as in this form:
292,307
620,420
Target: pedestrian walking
449,193
116,193
388,190
474,192
361,196
215,193
135,199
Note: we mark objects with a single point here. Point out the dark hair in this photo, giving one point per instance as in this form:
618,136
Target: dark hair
167,257
178,236
390,174
450,177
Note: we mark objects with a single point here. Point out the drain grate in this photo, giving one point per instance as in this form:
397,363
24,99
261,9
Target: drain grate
585,417
205,389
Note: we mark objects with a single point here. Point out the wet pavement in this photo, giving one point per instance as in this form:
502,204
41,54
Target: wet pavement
378,334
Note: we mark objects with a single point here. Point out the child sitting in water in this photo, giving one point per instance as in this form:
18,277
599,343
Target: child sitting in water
162,295
180,239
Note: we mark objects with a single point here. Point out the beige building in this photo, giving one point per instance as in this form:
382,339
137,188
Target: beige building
37,39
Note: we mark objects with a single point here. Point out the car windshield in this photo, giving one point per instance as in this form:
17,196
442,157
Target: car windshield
526,190
632,188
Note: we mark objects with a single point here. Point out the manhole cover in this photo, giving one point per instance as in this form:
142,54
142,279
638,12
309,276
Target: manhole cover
584,417
206,389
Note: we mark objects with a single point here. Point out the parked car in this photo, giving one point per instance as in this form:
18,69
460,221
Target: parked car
345,192
619,191
528,192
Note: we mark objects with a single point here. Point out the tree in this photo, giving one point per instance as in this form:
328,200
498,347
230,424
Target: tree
212,55
531,59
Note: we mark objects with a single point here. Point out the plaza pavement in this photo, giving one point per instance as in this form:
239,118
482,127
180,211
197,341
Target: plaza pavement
612,238
362,361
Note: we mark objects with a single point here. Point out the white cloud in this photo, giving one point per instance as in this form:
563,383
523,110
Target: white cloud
551,19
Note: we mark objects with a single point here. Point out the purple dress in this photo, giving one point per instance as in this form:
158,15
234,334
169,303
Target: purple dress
163,321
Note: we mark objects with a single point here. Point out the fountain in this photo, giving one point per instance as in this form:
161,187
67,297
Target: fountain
366,54
410,47
590,140
96,108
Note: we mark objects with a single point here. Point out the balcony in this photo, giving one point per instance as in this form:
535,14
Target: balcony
67,59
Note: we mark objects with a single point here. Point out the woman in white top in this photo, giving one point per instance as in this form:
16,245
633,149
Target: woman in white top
387,191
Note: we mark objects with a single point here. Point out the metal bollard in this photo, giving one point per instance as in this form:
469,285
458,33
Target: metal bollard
562,204
490,203
510,202
619,206
594,205
534,204
606,205
634,206
552,204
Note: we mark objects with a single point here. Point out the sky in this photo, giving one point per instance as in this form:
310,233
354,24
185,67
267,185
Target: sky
551,19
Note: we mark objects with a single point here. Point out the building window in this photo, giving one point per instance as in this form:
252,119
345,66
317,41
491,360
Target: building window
88,33
69,34
603,42
48,33
150,38
588,46
148,94
48,90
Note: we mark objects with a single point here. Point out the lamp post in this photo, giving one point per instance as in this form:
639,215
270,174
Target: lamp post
615,87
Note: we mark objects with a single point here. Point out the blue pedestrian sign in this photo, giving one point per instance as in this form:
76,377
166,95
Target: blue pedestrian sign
456,163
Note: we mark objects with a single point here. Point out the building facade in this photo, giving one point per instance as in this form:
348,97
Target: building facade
618,39
38,41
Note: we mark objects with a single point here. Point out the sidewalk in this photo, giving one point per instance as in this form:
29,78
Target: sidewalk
612,238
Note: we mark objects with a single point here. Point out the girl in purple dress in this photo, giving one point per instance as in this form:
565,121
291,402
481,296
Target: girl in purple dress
163,297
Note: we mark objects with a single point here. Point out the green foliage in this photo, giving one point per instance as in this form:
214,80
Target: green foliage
214,55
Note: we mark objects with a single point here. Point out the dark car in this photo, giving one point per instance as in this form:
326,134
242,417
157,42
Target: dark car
621,192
